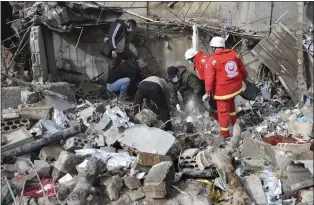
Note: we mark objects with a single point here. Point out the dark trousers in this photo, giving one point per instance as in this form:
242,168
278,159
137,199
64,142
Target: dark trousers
153,91
125,55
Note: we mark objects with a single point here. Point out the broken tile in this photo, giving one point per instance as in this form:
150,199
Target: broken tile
158,181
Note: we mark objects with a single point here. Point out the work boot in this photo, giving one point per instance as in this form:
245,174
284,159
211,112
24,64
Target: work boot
124,101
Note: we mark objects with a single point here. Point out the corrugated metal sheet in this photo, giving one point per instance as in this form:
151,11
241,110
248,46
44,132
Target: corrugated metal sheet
279,53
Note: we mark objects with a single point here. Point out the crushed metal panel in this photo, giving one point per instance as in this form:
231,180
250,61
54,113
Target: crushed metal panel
279,53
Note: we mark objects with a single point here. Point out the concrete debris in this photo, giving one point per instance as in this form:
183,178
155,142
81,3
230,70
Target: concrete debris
148,139
158,181
101,151
254,188
103,123
145,161
28,97
136,195
131,182
112,187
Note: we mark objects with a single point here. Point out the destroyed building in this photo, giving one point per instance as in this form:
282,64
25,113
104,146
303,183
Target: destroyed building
65,139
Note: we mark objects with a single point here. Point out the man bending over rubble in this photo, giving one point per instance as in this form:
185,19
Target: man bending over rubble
127,74
118,40
155,89
223,72
186,83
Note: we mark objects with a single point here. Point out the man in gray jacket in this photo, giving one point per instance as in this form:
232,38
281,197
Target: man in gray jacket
155,89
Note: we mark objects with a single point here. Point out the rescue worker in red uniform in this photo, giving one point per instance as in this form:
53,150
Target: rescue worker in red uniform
223,73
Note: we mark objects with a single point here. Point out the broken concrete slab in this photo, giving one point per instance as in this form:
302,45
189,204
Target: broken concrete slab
136,195
124,200
103,123
112,135
50,153
131,182
17,138
254,189
112,186
35,111
144,161
296,176
148,139
10,113
158,181
29,97
11,96
87,115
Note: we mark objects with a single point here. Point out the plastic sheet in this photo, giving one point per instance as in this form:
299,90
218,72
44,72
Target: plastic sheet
59,118
271,186
36,191
113,160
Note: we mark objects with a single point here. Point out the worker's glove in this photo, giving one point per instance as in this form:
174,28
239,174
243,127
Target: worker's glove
114,54
206,97
178,107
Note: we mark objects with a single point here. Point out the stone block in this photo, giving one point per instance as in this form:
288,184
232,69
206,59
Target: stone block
66,163
36,112
124,200
131,182
144,161
254,189
50,153
29,97
112,186
149,139
158,181
10,113
136,195
17,138
74,143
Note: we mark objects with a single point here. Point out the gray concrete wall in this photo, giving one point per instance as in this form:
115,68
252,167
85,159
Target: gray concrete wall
85,62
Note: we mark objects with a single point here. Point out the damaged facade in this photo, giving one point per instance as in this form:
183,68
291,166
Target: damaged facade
65,139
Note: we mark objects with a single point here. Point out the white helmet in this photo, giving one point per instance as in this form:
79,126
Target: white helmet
217,42
190,53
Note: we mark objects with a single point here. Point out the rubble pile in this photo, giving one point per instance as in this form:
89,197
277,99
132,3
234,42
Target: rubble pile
99,153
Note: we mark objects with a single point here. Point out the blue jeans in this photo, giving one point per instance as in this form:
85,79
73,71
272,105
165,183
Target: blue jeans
120,85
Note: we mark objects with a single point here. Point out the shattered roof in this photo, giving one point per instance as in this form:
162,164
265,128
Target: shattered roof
63,16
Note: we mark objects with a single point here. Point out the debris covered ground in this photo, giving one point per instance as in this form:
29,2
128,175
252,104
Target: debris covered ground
80,146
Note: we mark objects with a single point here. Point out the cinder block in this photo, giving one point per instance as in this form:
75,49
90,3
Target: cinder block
74,143
36,112
50,153
8,126
10,113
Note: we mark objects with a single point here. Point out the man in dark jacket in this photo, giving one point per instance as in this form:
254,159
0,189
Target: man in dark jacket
125,75
155,89
185,82
118,40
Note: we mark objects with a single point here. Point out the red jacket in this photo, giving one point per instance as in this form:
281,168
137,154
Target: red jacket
223,72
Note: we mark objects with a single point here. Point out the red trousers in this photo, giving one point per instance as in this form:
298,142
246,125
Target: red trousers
226,114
